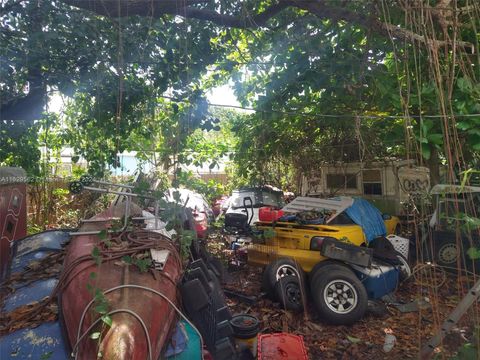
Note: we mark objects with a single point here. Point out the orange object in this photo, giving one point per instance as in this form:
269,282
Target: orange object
281,346
267,213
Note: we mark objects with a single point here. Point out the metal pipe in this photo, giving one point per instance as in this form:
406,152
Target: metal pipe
79,233
98,220
122,193
125,186
100,182
156,214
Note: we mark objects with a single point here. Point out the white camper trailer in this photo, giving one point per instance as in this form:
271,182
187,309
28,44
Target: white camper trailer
388,184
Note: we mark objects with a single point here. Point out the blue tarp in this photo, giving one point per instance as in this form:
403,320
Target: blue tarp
368,217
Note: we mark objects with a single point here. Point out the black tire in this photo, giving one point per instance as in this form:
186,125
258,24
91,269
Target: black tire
289,293
446,252
339,308
443,250
217,267
280,268
313,274
266,285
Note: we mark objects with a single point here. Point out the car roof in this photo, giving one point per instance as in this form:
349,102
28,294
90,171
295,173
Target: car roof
454,189
257,188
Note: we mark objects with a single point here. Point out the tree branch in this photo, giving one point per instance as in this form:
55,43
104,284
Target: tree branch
189,9
184,8
319,9
255,21
124,8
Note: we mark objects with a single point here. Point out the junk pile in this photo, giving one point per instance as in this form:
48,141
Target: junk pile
342,251
121,293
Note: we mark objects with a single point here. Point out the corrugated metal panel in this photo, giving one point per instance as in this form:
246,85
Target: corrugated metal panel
305,203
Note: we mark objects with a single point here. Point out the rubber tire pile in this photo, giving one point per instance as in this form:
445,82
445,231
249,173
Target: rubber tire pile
284,281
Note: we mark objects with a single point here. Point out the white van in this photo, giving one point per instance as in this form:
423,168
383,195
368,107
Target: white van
244,205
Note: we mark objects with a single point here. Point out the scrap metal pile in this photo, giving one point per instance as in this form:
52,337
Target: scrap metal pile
125,284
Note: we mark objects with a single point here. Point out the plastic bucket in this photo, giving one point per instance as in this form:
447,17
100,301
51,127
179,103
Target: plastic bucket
245,329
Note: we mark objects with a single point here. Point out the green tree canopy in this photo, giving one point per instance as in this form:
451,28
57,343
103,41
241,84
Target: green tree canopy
330,80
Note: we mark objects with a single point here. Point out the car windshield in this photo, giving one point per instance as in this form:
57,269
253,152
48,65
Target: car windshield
259,198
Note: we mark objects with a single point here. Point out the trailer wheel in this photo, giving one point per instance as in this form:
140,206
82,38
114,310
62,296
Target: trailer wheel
266,285
289,293
278,269
338,295
325,263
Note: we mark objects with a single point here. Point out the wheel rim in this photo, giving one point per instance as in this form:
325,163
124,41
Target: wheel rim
404,268
285,270
340,296
448,253
293,294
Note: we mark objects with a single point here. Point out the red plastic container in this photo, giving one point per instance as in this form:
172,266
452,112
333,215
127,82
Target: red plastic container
281,346
269,214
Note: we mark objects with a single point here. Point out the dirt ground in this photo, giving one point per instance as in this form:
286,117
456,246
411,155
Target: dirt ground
365,339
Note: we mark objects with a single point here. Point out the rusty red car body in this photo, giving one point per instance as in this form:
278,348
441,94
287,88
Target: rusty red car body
125,338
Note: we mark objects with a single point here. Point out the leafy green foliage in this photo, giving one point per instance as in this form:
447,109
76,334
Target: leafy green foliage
473,253
95,335
101,306
46,355
117,72
142,262
187,236
96,255
114,71
312,68
211,189
20,146
268,233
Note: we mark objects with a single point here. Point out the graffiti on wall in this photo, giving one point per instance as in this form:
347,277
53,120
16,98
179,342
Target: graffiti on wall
414,180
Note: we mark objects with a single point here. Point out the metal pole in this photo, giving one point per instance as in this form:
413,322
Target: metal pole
124,186
127,213
99,182
156,214
123,193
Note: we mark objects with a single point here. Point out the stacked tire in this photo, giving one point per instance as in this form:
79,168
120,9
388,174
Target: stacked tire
337,293
283,280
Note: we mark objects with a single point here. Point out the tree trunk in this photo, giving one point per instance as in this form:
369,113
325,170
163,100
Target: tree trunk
31,106
434,165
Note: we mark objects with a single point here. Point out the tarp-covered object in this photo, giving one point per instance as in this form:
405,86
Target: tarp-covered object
368,217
